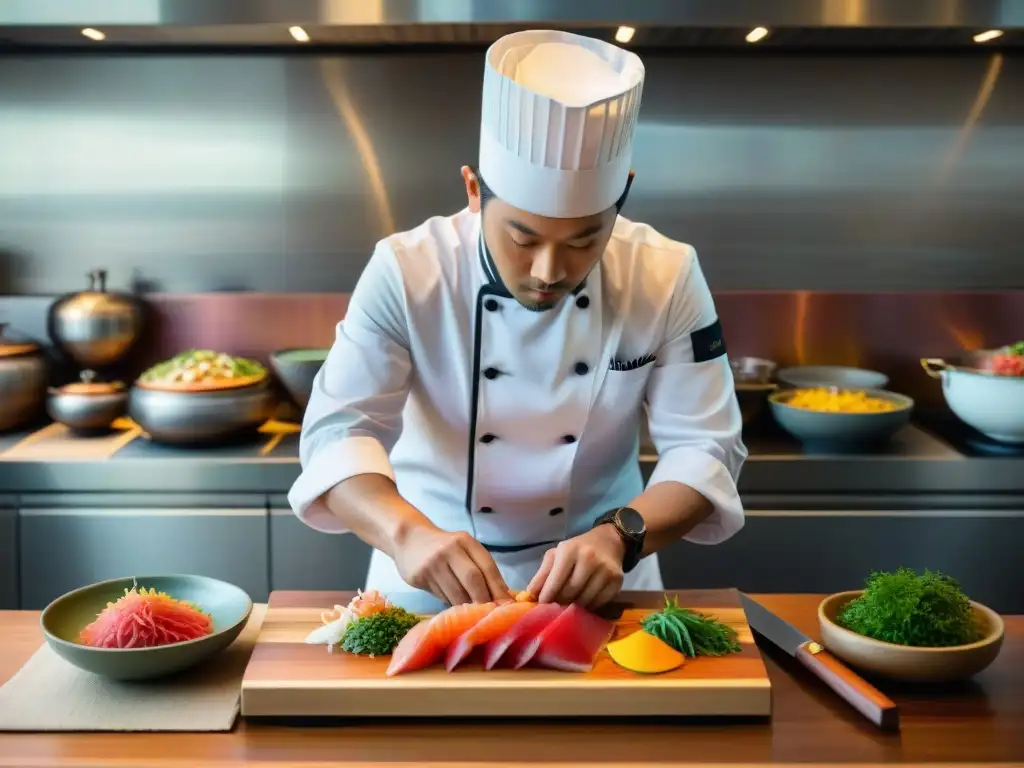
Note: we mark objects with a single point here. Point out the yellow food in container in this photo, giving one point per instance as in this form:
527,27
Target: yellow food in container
833,400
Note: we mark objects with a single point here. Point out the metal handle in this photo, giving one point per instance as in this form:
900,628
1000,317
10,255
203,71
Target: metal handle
98,276
934,366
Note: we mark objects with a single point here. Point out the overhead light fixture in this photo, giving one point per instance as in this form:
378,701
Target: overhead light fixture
93,34
984,37
624,34
299,34
756,34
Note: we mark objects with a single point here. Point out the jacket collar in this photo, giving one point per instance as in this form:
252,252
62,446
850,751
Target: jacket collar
491,275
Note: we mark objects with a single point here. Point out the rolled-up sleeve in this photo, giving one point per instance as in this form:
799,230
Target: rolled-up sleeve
354,415
693,414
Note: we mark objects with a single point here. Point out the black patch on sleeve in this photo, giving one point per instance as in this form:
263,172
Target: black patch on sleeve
708,343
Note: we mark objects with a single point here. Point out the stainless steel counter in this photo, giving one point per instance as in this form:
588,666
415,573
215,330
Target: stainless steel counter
915,462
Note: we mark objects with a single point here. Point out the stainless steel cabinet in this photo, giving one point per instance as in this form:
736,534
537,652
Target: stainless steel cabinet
8,558
65,548
830,551
302,558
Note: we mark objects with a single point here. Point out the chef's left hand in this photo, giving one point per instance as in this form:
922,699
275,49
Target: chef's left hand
586,569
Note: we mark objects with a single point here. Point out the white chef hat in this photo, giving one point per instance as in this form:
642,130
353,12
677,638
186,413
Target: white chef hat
559,114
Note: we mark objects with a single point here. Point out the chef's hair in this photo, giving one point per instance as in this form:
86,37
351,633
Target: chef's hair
487,194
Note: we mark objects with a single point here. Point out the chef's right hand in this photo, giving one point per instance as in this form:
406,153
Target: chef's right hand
453,566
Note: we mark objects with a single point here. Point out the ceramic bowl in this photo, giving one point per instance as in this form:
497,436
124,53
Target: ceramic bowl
65,617
830,430
807,376
906,663
296,369
992,404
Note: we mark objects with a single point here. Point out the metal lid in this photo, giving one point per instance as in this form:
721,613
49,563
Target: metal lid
89,386
12,344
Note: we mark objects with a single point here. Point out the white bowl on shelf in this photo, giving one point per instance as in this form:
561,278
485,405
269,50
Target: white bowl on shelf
991,403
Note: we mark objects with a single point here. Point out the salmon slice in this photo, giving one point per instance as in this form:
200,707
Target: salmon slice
493,625
427,641
572,641
505,648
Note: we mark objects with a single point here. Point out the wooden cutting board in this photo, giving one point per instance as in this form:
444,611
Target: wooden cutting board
287,678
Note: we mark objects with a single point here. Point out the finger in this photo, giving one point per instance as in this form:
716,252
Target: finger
449,584
495,581
470,576
435,590
537,583
595,587
577,582
609,593
561,569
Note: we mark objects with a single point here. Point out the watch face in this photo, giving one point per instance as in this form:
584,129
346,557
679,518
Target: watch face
631,521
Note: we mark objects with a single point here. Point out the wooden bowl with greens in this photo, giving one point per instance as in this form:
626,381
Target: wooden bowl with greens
911,627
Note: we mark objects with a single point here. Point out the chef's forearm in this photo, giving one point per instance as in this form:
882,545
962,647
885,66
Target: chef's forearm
370,506
670,511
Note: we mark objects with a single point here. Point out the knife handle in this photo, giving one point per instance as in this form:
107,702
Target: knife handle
864,697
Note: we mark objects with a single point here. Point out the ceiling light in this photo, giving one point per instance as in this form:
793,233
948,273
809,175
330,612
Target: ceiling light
299,34
93,34
984,37
758,33
624,34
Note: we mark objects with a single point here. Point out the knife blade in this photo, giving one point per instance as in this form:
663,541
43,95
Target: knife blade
864,697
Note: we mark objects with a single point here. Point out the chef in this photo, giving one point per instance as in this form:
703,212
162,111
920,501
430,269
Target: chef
477,418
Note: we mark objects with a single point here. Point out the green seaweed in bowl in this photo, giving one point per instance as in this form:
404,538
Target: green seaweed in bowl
906,608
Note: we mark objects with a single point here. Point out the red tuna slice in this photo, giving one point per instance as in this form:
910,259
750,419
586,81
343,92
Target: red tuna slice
505,648
495,624
572,642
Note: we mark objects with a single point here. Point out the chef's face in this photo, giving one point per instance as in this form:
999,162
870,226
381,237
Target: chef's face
540,259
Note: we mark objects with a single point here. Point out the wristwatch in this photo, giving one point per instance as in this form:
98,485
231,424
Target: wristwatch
630,525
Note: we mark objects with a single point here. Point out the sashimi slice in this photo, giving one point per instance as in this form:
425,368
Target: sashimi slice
427,641
572,642
504,649
493,625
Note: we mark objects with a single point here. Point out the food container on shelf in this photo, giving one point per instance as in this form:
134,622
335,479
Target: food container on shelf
296,369
88,405
95,327
807,376
23,372
752,378
185,401
990,402
831,430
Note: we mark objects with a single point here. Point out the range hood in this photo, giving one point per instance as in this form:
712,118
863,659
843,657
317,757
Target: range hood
657,23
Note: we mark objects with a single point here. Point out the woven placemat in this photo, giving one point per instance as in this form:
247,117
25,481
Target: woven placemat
50,694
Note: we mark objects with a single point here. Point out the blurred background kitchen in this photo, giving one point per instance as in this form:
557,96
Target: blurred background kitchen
851,174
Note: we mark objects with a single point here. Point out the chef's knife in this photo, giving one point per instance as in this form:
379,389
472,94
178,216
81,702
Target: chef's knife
865,698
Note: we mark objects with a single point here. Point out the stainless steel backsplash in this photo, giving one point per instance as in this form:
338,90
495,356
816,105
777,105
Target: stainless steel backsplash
198,173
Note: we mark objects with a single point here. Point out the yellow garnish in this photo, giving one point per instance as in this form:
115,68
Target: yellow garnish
644,653
838,401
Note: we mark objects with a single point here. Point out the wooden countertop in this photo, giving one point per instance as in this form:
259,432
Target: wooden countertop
978,722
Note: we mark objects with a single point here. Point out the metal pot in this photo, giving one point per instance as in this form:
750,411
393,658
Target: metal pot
23,372
95,327
752,377
193,418
992,404
88,405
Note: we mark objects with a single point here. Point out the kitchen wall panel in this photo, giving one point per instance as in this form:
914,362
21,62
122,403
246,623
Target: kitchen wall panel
278,173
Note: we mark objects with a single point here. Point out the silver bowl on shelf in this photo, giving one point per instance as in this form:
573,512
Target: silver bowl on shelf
842,376
88,405
23,373
201,417
753,378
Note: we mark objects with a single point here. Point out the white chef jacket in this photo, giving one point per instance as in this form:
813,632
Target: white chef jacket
517,426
